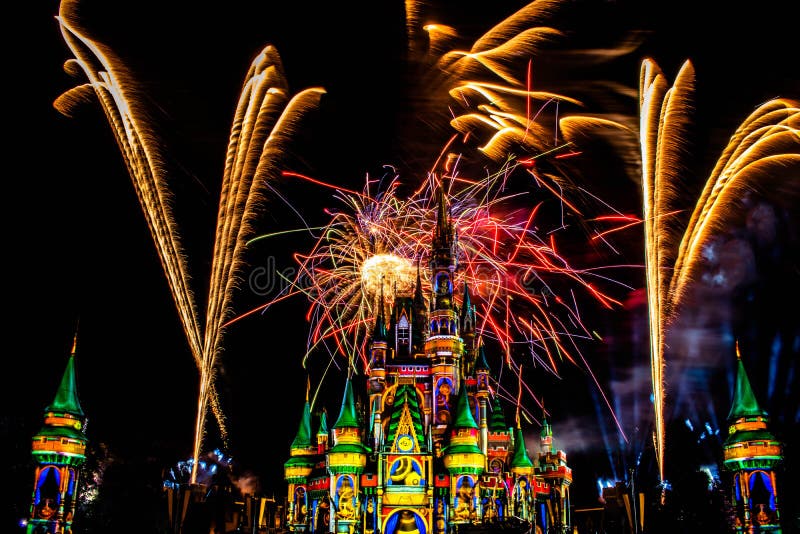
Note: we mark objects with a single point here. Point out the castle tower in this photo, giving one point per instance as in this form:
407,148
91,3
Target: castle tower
58,450
346,461
553,470
444,346
499,439
482,394
376,382
419,316
465,461
751,454
523,496
297,470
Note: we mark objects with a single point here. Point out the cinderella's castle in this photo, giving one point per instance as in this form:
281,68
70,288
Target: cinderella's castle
431,451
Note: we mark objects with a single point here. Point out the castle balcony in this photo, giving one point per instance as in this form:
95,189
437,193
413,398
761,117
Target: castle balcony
752,454
444,346
405,496
58,445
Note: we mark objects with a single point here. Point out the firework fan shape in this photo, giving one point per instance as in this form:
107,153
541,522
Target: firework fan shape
265,119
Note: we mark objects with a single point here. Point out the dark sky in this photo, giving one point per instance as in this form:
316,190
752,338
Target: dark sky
79,254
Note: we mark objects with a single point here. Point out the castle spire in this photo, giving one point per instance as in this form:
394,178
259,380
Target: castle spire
442,215
744,400
497,423
521,460
66,399
481,364
466,304
302,439
419,299
464,417
347,416
379,332
546,436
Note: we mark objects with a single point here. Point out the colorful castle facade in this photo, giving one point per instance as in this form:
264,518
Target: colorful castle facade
428,451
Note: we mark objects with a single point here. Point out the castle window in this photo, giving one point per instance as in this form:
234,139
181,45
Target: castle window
403,331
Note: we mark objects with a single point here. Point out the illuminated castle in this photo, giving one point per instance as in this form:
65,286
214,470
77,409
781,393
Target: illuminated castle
59,450
751,454
430,450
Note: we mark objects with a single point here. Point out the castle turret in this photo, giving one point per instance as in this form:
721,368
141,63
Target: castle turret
444,345
482,395
546,436
499,439
522,471
322,433
465,461
751,454
58,449
297,470
346,461
554,471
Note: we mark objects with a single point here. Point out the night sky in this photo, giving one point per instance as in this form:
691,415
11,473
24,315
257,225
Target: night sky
79,255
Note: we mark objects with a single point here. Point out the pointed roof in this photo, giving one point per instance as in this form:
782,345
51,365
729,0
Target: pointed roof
497,422
466,303
419,299
442,215
303,438
66,399
464,417
379,332
323,423
348,418
521,458
744,400
405,400
481,362
547,430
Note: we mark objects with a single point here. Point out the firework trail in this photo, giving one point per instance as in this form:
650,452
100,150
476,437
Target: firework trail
763,154
485,89
525,291
265,118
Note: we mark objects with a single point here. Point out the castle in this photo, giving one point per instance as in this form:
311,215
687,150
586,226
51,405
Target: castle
431,451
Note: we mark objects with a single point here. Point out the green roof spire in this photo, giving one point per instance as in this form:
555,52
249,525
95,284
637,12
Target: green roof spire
497,422
347,416
323,423
303,438
464,417
744,400
66,400
521,458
